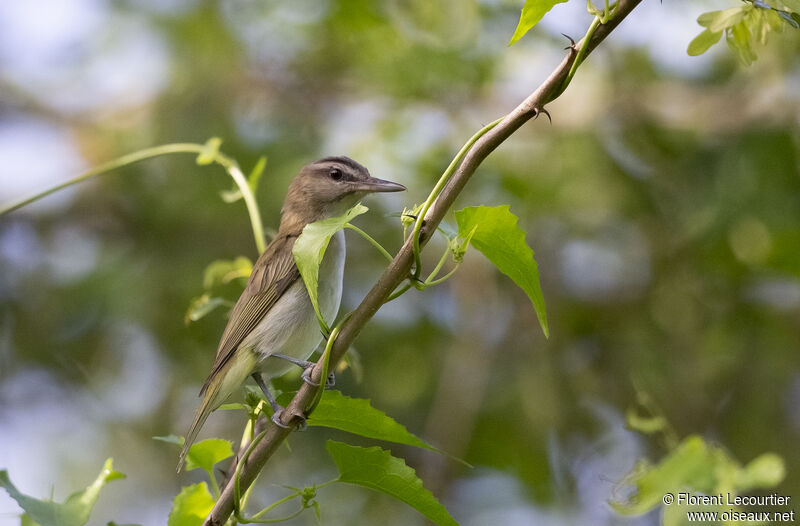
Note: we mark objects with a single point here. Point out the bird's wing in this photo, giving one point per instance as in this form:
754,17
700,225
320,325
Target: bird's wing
272,274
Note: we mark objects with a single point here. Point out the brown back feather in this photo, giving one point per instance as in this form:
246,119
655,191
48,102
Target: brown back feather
272,275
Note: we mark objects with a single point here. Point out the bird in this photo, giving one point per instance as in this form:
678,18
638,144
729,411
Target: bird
273,324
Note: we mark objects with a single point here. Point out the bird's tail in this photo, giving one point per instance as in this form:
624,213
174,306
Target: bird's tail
218,387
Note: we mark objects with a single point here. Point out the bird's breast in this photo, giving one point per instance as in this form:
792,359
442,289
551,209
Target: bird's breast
290,327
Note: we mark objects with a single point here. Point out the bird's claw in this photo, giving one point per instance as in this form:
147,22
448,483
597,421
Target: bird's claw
571,41
276,419
330,381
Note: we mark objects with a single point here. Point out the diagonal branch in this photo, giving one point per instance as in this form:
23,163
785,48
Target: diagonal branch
398,270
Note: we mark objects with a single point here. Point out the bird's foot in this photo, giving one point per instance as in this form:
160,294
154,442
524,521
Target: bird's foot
330,381
276,419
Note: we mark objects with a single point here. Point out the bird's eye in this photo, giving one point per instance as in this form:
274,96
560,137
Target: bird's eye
336,174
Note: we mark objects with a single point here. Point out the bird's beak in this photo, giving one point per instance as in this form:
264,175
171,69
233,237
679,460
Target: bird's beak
378,185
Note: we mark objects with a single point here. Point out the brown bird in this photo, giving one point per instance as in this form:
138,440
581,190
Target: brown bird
273,324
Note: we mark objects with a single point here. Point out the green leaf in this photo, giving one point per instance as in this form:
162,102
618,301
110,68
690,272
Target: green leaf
309,249
73,512
765,471
202,306
703,41
203,454
377,469
706,18
210,151
739,40
206,453
357,416
234,406
721,20
532,12
499,238
191,506
223,271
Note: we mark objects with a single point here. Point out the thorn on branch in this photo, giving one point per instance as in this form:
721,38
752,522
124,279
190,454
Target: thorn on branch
539,111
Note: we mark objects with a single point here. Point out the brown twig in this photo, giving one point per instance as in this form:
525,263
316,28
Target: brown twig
400,266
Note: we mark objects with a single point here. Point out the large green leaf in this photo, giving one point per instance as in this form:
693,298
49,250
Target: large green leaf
356,415
72,512
532,12
377,469
498,237
309,249
191,506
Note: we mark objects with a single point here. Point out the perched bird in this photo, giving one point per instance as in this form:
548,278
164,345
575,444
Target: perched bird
273,324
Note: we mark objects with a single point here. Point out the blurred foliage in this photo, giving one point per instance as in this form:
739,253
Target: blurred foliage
72,512
696,467
662,205
745,25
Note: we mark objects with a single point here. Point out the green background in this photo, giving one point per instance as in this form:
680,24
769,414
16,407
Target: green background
663,204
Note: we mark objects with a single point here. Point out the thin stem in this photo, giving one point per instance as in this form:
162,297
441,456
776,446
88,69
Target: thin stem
271,507
582,52
326,355
371,240
601,17
443,278
438,267
119,162
236,474
250,202
438,188
165,149
214,484
399,292
325,484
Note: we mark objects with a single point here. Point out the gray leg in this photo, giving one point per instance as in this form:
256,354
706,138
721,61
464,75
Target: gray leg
307,368
277,409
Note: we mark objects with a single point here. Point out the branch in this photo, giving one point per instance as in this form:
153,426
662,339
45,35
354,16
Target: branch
398,270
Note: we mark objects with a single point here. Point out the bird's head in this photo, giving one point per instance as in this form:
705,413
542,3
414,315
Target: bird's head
327,188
